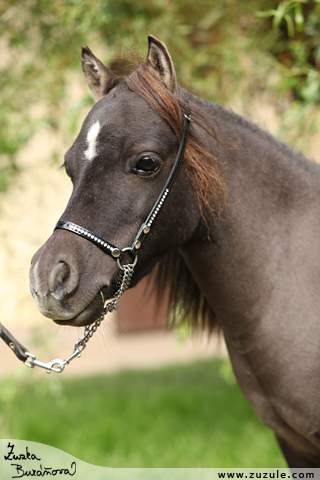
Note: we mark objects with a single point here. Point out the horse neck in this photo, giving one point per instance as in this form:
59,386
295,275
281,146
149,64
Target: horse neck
272,197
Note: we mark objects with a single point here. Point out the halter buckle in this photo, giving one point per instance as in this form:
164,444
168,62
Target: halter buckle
188,117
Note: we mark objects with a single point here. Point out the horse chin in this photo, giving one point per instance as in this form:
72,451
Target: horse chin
89,314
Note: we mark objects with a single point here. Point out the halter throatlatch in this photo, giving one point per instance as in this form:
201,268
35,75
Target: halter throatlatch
58,365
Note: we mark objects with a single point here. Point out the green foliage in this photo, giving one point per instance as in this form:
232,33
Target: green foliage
220,49
289,12
297,48
42,39
185,416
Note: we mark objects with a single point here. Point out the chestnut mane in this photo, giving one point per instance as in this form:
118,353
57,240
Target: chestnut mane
186,302
203,169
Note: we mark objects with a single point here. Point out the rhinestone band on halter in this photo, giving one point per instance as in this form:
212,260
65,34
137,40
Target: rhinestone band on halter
145,228
83,232
153,216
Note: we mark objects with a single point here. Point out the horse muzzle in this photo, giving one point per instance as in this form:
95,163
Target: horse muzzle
61,292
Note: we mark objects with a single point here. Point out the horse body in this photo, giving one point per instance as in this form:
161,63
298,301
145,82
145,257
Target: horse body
261,279
256,263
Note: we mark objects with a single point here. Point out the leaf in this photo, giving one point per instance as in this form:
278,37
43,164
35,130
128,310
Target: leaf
299,18
290,25
102,296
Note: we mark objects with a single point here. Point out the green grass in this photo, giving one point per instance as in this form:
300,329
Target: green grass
175,417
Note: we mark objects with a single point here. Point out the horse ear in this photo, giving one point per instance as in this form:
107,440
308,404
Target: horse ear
160,65
99,78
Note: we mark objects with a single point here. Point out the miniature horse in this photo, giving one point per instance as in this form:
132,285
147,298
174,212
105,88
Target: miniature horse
238,237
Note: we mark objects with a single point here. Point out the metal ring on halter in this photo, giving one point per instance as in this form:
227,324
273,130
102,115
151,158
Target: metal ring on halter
131,264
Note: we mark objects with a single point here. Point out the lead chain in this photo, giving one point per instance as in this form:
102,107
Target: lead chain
124,284
58,365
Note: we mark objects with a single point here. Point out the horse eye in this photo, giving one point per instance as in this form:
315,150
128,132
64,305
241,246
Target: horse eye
147,164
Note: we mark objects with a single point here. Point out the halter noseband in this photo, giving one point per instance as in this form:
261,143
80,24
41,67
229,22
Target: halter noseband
58,365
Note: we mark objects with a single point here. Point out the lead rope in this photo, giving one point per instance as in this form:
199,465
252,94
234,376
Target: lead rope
58,365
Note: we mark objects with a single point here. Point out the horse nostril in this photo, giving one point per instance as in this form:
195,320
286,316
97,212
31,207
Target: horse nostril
59,276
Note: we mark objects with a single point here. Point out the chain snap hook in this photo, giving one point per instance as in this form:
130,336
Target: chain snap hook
58,365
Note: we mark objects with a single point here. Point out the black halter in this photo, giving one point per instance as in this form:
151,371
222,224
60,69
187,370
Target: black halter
58,365
145,228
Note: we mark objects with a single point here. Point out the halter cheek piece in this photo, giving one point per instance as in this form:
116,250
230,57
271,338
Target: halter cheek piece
145,228
58,365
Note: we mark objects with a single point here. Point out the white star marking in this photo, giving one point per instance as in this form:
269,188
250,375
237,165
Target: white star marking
92,135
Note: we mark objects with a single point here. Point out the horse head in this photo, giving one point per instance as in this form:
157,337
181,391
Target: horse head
118,165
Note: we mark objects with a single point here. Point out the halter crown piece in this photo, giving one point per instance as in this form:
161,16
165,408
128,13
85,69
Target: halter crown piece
127,271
